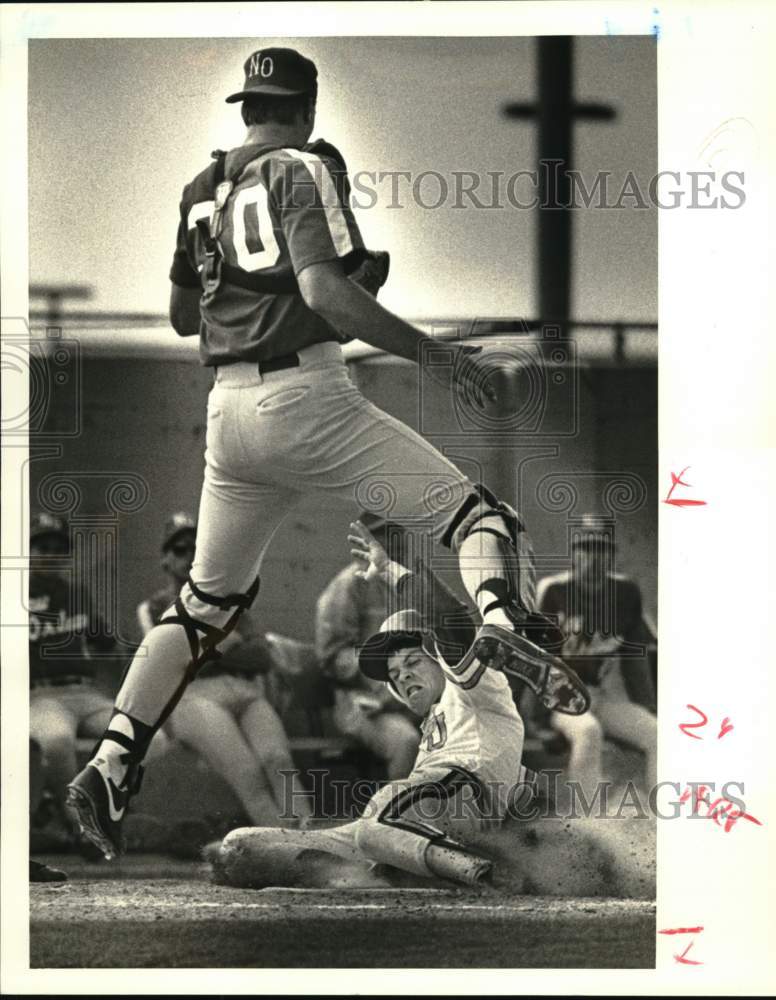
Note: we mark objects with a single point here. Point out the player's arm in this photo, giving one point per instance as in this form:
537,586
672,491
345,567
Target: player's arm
186,288
635,671
184,310
353,312
328,291
319,242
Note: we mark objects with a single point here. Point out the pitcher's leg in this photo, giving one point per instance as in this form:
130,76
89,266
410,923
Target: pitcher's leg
235,525
236,522
371,458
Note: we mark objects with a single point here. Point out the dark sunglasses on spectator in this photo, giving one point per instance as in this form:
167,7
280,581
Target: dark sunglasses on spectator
49,545
182,549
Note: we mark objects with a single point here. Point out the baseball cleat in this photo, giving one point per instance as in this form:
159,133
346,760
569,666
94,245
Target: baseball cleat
554,683
100,804
43,873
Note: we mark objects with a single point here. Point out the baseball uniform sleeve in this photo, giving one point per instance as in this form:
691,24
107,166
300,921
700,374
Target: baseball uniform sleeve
182,272
310,196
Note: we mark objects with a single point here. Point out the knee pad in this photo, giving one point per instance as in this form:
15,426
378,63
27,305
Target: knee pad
205,648
482,511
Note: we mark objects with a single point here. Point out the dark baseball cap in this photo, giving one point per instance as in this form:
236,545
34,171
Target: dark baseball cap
592,532
44,523
176,525
278,72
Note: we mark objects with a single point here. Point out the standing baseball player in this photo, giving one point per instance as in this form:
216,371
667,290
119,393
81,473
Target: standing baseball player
267,247
467,774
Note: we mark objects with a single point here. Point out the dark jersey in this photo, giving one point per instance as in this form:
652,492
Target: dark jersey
61,635
596,624
288,208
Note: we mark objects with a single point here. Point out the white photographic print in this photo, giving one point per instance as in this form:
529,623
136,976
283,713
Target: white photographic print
385,421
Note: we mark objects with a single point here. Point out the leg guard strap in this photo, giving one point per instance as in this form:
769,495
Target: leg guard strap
212,634
191,626
478,506
135,772
240,601
204,649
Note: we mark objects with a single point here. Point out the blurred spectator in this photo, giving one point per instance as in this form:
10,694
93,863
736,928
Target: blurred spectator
224,714
600,613
65,702
349,610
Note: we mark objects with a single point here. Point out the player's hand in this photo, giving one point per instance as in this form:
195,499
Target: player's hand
372,558
478,378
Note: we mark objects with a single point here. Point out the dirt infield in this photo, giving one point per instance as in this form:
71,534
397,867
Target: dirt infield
163,923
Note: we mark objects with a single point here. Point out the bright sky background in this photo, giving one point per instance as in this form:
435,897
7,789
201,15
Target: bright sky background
117,127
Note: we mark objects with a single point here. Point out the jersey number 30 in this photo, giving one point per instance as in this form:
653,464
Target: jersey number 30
253,237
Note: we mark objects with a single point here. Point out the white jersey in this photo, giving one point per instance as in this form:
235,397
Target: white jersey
474,726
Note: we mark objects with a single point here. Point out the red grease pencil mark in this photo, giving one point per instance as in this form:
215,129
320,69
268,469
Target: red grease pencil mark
684,726
719,809
682,959
678,481
686,961
726,726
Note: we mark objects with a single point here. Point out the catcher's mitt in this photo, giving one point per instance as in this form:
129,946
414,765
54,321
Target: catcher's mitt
372,273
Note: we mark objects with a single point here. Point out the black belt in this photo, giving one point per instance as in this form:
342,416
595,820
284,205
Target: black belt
277,364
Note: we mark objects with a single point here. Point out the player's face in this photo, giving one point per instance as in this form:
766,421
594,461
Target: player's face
180,555
43,548
417,678
588,567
